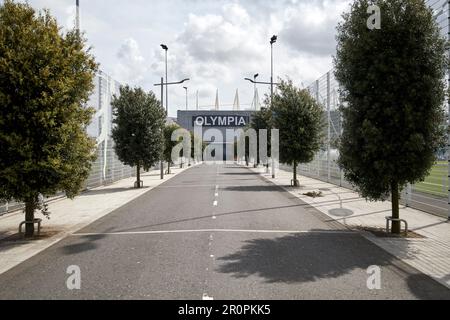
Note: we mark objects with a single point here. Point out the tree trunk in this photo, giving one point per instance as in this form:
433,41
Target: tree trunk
138,176
168,167
296,183
29,217
395,208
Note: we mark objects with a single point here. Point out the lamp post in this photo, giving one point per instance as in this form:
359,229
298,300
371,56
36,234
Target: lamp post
166,48
254,98
186,88
162,84
266,83
272,41
77,16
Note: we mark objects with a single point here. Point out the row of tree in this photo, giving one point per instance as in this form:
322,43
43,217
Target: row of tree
392,84
141,135
46,78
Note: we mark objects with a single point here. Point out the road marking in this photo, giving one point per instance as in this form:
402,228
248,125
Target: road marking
214,217
211,256
215,203
206,297
214,230
216,194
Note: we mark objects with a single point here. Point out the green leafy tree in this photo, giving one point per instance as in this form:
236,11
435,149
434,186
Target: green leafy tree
46,77
393,88
169,144
300,120
138,129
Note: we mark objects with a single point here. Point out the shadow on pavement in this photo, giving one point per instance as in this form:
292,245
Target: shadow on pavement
108,191
250,211
85,243
260,188
239,174
311,257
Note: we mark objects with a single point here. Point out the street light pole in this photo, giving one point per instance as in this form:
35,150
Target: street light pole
77,16
187,107
161,163
166,48
272,41
254,98
162,84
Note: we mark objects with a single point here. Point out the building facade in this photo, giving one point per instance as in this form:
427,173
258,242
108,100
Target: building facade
215,125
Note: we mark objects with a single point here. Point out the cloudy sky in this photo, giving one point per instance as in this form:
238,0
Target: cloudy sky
216,43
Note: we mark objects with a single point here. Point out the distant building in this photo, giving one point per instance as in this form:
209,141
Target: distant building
218,120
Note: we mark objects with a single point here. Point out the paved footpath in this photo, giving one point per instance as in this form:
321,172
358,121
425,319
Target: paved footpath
430,255
216,232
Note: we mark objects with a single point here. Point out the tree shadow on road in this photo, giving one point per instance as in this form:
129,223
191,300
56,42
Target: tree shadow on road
310,257
84,244
108,191
254,188
239,174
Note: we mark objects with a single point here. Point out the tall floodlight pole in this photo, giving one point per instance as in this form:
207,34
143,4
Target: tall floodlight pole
186,88
197,100
161,163
254,98
162,84
329,127
165,48
448,75
272,41
77,16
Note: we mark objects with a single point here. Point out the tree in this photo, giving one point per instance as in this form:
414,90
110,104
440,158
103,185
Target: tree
169,144
392,82
138,129
45,81
300,121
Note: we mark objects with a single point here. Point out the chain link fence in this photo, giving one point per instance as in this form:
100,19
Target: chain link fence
431,195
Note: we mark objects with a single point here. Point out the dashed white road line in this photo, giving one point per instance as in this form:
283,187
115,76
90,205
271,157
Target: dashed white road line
215,203
207,298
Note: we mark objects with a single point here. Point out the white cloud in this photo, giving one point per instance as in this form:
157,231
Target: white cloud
216,43
310,26
131,66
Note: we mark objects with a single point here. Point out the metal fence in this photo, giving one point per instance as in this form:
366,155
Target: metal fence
431,195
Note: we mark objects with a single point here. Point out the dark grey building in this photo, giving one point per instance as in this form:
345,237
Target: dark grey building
220,120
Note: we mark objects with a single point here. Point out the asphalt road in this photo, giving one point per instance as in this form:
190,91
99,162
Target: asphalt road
221,232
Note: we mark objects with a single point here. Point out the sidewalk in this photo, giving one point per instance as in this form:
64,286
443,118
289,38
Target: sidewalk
69,216
430,255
